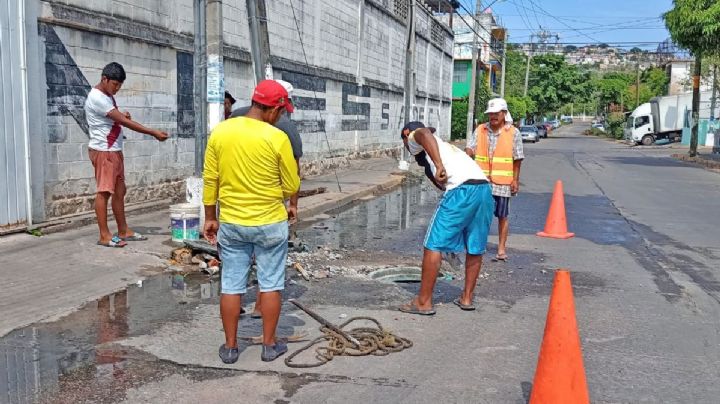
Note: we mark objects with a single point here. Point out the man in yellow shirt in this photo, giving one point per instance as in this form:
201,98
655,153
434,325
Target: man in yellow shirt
250,170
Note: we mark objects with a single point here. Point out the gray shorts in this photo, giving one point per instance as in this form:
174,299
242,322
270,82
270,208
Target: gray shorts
238,244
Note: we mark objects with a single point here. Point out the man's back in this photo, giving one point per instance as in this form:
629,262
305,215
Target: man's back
255,172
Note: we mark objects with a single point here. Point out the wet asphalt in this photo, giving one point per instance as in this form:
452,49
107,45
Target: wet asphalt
620,201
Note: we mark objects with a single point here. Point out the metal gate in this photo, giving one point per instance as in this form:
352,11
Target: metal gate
14,178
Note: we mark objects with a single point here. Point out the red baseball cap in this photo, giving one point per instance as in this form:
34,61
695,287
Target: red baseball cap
272,94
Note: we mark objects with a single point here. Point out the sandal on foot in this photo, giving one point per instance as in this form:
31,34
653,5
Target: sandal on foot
135,237
501,257
411,308
255,315
465,307
115,242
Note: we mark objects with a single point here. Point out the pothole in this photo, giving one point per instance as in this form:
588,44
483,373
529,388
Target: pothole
399,275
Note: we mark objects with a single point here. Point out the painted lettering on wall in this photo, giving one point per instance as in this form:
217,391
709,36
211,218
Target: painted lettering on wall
359,111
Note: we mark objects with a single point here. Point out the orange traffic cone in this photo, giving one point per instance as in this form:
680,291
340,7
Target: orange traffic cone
560,375
556,223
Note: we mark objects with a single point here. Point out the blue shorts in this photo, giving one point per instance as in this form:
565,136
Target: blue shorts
462,220
502,206
237,245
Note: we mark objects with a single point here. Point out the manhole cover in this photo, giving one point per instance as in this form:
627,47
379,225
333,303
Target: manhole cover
398,275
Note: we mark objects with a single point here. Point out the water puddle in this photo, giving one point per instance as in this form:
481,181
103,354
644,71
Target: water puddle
44,359
395,221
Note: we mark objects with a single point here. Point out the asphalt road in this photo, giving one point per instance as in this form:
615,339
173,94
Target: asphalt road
644,264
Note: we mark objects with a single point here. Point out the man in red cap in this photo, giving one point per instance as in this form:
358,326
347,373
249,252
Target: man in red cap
250,170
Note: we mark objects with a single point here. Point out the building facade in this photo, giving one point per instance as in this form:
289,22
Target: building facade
349,95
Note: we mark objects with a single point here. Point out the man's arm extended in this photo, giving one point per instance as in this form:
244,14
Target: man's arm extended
123,120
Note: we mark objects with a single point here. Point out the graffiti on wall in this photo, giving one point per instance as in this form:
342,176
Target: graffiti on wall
67,87
185,105
356,107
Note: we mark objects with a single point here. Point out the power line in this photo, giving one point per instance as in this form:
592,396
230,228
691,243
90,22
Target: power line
560,21
307,64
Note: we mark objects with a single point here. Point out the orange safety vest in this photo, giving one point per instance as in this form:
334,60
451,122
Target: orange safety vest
499,170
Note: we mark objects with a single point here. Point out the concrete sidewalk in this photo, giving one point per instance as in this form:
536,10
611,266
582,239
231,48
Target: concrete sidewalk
48,277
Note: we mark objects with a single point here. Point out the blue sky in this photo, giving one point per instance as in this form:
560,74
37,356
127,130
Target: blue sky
583,21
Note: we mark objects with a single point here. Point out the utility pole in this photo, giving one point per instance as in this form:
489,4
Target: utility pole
713,101
215,71
502,79
695,105
259,38
527,68
409,69
200,85
473,73
637,86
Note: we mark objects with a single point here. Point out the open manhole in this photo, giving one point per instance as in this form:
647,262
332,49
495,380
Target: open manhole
399,275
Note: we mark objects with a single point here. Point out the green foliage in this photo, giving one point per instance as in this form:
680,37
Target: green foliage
520,107
656,80
515,63
458,123
614,125
36,232
554,83
482,96
695,25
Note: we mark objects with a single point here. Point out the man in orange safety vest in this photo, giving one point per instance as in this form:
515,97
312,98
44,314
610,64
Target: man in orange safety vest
497,148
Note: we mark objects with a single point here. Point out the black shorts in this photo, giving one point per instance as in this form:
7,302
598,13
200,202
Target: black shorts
502,206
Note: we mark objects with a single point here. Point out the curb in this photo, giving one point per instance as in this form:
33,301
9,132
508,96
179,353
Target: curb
86,219
347,198
710,165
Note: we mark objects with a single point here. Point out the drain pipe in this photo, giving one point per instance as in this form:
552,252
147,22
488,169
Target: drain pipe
26,123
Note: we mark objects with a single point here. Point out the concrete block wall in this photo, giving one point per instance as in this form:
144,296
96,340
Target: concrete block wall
236,30
74,59
350,97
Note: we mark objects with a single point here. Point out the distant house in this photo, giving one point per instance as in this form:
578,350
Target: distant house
490,47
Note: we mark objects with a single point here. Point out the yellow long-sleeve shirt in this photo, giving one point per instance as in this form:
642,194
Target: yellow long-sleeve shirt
250,169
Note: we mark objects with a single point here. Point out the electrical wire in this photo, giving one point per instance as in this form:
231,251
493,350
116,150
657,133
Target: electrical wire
307,64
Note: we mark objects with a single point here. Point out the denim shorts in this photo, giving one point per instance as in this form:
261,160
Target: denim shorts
462,221
238,244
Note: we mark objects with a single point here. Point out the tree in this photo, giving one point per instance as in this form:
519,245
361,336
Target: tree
635,50
656,80
554,83
458,122
514,73
695,25
603,46
570,48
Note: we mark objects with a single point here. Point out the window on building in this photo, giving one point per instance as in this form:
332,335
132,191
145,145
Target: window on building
460,73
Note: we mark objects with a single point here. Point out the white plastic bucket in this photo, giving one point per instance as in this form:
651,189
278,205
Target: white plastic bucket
185,222
194,196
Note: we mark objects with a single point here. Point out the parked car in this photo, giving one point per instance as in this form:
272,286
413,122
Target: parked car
542,131
555,123
598,126
549,127
566,119
529,133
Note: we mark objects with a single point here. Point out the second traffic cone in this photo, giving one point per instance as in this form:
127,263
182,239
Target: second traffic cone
556,222
560,374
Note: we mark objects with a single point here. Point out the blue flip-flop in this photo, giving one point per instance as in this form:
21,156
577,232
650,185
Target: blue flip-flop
115,242
135,237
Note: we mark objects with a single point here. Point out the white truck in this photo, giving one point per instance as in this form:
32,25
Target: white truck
663,117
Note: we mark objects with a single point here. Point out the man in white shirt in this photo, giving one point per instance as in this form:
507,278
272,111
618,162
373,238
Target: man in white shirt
105,123
462,219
